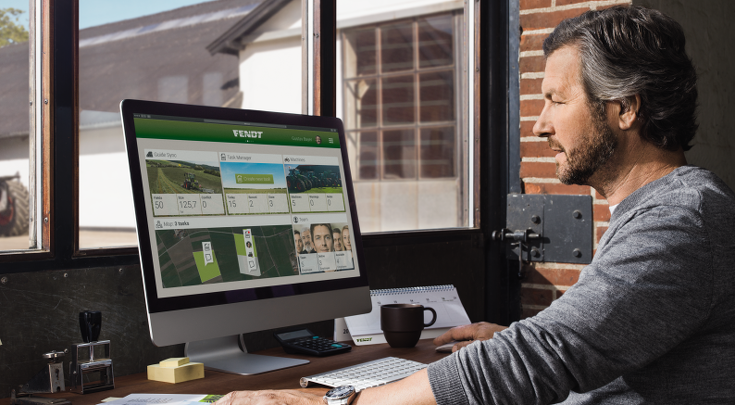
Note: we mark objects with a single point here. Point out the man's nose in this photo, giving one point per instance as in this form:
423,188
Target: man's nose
543,127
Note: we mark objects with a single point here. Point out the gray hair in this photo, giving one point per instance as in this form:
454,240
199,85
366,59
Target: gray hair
631,50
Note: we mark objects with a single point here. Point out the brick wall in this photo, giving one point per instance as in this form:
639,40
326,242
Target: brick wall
545,282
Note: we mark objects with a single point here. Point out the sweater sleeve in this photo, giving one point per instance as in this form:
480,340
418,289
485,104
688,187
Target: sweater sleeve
648,288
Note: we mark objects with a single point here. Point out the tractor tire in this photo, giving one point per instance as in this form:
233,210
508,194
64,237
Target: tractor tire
17,223
300,186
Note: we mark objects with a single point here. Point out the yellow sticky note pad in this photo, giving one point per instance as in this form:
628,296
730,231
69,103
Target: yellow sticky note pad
174,375
174,362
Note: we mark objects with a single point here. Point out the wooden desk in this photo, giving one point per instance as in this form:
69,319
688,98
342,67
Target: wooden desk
222,383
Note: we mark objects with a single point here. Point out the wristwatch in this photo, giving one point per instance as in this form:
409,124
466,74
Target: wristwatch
342,395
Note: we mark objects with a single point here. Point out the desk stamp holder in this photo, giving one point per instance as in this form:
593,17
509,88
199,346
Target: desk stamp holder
89,373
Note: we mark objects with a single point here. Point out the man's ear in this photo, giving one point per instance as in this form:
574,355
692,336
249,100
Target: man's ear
629,117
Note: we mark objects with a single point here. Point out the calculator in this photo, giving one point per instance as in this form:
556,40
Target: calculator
303,341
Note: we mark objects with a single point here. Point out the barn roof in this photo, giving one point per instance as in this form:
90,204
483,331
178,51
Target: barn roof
161,57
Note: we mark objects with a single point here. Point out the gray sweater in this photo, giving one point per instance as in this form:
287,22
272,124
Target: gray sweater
651,320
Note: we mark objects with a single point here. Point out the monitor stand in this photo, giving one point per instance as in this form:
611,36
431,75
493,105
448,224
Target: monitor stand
225,354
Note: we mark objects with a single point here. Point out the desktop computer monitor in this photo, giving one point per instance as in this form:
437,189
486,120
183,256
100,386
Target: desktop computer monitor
246,221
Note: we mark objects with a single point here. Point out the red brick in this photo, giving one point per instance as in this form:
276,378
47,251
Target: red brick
532,64
536,149
598,196
564,277
559,293
567,2
527,312
527,129
531,4
601,212
531,108
555,188
531,86
532,42
535,296
601,231
538,169
537,21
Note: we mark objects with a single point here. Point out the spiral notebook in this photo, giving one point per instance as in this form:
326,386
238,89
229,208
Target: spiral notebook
365,329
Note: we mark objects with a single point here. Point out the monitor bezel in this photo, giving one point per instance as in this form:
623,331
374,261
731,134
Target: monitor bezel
156,304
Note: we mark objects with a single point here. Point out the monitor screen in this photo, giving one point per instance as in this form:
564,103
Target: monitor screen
246,220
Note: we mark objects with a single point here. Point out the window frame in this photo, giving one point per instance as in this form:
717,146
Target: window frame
59,137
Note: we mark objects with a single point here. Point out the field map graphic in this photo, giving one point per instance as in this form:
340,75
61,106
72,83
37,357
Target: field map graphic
183,263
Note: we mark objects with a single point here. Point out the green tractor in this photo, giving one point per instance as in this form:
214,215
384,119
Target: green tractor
332,179
315,180
190,182
297,181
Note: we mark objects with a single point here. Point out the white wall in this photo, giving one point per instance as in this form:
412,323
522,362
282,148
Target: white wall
105,192
270,76
359,12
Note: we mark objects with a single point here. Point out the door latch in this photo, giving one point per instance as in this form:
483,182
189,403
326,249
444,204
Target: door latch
518,238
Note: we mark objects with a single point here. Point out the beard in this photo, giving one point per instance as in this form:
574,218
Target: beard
596,148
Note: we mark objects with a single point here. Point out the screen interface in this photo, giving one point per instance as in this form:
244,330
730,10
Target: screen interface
237,205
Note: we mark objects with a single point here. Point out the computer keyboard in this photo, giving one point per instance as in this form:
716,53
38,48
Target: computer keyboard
366,375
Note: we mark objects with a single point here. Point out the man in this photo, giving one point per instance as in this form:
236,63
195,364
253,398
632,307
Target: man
298,243
337,239
306,237
321,237
652,318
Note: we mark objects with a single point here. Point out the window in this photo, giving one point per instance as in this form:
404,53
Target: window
14,129
403,95
401,88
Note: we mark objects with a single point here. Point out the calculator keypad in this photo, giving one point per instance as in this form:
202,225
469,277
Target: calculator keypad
318,344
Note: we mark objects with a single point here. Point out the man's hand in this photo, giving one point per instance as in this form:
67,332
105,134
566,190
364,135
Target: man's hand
270,397
466,334
414,389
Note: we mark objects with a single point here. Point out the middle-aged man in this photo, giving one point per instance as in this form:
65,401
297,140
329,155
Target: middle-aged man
652,318
306,238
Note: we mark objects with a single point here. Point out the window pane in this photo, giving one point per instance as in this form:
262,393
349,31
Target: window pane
368,155
360,52
397,48
363,98
399,154
436,41
437,96
14,129
398,102
178,55
438,152
411,161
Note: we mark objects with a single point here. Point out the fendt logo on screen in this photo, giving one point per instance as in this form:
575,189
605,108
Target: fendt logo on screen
247,134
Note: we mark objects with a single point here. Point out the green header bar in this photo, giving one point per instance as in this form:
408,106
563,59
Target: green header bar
209,132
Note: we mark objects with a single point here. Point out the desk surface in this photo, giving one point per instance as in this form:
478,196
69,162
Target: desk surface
222,383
